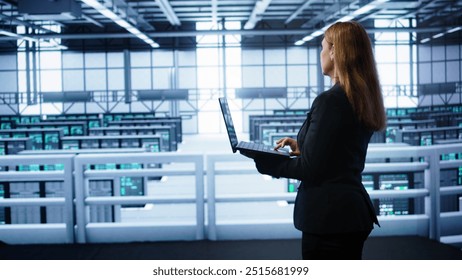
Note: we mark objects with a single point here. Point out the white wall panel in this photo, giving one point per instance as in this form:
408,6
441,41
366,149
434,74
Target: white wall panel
141,78
116,79
95,79
275,76
73,80
8,81
252,76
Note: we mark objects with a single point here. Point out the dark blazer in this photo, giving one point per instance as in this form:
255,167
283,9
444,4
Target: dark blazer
333,146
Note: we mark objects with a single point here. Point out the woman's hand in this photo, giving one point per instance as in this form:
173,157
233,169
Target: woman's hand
287,141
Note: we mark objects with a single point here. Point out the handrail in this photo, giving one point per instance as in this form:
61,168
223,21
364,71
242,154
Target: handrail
398,193
212,171
136,200
449,190
37,201
426,159
82,178
64,175
430,167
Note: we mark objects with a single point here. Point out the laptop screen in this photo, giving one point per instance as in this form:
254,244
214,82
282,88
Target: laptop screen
228,123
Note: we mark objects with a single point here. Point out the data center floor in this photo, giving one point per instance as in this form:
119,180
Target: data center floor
376,248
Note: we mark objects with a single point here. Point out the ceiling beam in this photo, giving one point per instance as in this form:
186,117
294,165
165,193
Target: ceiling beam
257,13
174,34
84,16
214,12
168,11
346,15
124,22
298,11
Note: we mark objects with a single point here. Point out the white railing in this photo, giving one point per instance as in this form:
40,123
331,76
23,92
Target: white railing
242,229
397,225
39,232
431,223
126,232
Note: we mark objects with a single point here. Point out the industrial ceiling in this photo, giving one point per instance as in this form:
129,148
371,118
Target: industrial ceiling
135,24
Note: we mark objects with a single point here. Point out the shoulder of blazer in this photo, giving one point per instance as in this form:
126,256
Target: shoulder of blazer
334,96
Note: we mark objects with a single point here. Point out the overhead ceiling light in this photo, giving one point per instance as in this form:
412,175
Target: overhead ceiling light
319,32
425,40
298,11
105,11
299,42
257,13
314,34
452,30
307,38
168,11
365,9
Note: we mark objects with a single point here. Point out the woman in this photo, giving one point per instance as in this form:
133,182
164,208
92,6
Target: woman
332,208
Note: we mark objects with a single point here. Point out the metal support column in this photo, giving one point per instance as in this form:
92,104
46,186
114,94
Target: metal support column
127,76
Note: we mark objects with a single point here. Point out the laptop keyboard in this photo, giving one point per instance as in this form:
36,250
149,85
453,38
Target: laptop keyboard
257,146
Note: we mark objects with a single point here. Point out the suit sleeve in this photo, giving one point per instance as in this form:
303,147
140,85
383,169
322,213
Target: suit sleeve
316,151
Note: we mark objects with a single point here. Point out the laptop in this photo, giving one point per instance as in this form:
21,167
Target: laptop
237,145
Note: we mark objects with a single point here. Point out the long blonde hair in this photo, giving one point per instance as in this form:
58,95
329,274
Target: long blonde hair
356,71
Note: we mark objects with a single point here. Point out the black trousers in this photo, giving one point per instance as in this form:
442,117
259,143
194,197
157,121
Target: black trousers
344,246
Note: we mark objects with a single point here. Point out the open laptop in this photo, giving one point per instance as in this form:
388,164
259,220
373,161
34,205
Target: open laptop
236,145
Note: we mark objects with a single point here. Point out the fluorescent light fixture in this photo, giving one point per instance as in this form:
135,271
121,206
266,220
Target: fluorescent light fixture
257,13
318,32
454,29
315,34
95,5
123,23
365,9
425,40
168,11
92,3
143,37
307,38
105,11
108,13
136,32
438,35
299,42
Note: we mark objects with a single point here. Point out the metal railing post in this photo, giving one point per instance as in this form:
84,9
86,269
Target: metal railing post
79,200
69,199
200,202
432,183
211,207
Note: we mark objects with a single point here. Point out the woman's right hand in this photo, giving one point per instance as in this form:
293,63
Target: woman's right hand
287,141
